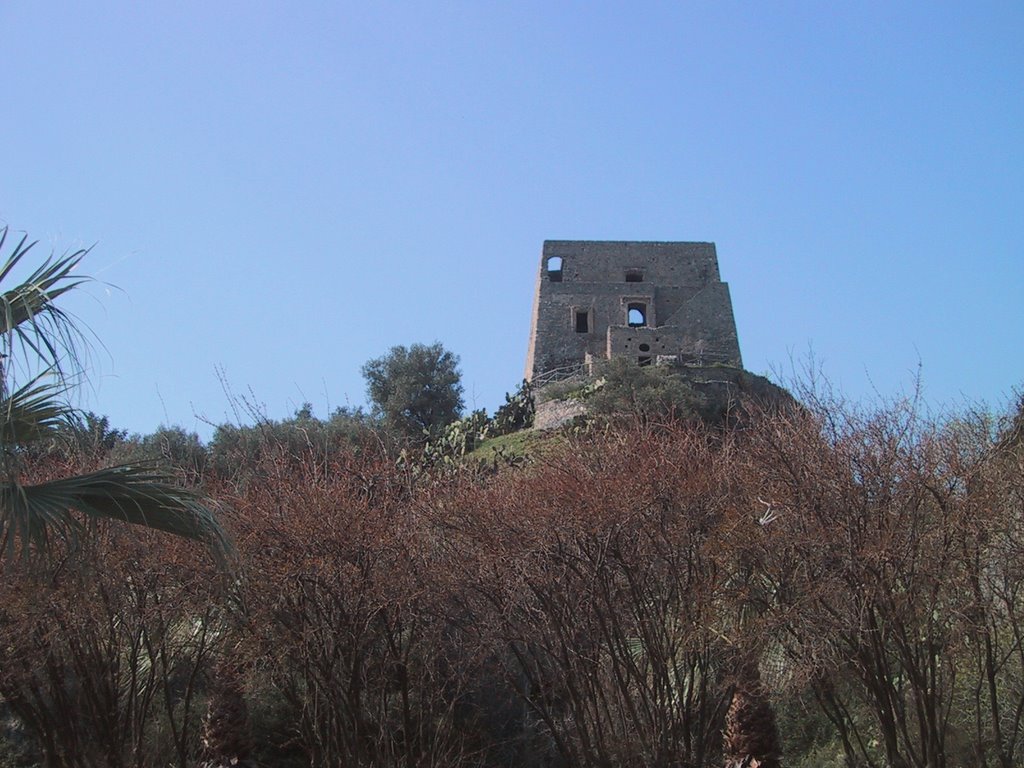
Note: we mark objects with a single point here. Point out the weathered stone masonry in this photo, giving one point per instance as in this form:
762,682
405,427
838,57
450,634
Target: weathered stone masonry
652,302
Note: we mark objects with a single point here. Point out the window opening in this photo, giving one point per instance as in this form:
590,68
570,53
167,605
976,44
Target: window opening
636,315
582,322
555,269
634,276
645,347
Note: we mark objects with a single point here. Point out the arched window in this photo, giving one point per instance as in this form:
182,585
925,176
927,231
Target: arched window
555,269
636,315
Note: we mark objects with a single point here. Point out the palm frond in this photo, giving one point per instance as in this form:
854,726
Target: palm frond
32,413
30,321
31,514
40,336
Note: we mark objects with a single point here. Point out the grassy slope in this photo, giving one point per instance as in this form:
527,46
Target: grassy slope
527,443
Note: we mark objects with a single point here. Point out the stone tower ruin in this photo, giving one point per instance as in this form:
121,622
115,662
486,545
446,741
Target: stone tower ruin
651,302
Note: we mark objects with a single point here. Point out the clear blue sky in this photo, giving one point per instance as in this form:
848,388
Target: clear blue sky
282,191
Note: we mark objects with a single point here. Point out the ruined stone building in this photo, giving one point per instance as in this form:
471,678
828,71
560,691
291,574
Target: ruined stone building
652,302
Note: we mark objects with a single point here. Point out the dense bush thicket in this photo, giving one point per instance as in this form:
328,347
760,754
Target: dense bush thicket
855,577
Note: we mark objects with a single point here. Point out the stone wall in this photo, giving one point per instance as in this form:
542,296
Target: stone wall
555,413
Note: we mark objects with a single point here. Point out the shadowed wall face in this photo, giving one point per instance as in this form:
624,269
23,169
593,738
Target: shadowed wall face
603,299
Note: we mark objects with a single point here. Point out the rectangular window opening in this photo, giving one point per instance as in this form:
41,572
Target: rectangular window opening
582,322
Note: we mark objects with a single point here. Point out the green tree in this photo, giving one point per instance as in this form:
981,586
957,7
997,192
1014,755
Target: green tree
236,451
172,448
40,342
416,391
92,434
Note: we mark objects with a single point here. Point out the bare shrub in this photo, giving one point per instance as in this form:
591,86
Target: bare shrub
597,595
882,559
344,600
103,651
